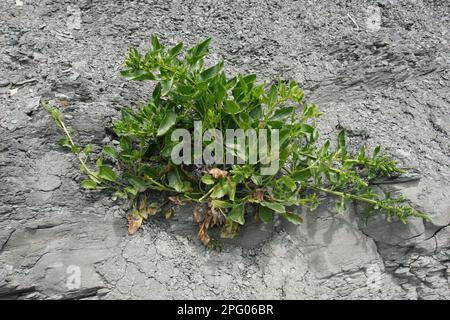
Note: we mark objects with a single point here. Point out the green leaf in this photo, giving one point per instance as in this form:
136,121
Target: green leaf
175,181
107,173
88,184
272,95
65,142
277,207
237,213
208,179
56,115
219,191
231,189
211,72
169,120
292,217
110,151
156,94
258,180
231,107
220,204
88,150
126,143
341,139
376,151
119,195
197,52
99,162
138,183
266,214
175,51
131,74
166,86
288,182
130,190
155,43
282,114
301,175
75,149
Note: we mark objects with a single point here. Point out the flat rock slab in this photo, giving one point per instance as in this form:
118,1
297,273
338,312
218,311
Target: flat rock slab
379,71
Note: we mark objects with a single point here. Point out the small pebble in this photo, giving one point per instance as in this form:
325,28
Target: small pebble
4,83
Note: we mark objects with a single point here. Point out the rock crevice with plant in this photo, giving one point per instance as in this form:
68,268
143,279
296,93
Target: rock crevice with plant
226,195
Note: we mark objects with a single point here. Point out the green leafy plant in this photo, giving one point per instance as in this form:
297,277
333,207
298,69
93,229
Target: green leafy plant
226,195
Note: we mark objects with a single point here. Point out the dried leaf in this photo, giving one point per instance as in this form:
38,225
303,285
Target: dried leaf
134,223
151,211
218,173
216,216
203,232
197,215
229,230
259,194
169,213
256,216
177,200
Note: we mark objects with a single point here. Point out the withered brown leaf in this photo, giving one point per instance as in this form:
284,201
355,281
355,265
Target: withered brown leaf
256,215
134,223
197,215
203,232
259,194
177,200
218,173
169,213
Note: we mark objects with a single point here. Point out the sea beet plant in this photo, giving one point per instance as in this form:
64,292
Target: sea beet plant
226,195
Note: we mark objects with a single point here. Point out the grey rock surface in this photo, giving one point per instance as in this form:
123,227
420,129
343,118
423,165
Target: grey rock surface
379,69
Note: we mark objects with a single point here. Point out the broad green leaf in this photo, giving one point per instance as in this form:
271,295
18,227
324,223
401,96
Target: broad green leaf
169,120
132,191
139,75
376,151
119,195
301,175
57,116
220,190
288,182
156,95
175,181
292,217
272,95
155,43
99,162
175,51
277,207
166,86
126,143
282,114
258,180
110,151
237,213
231,189
88,184
197,52
231,107
75,149
107,173
138,183
220,204
341,139
208,179
65,142
88,150
211,72
266,214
